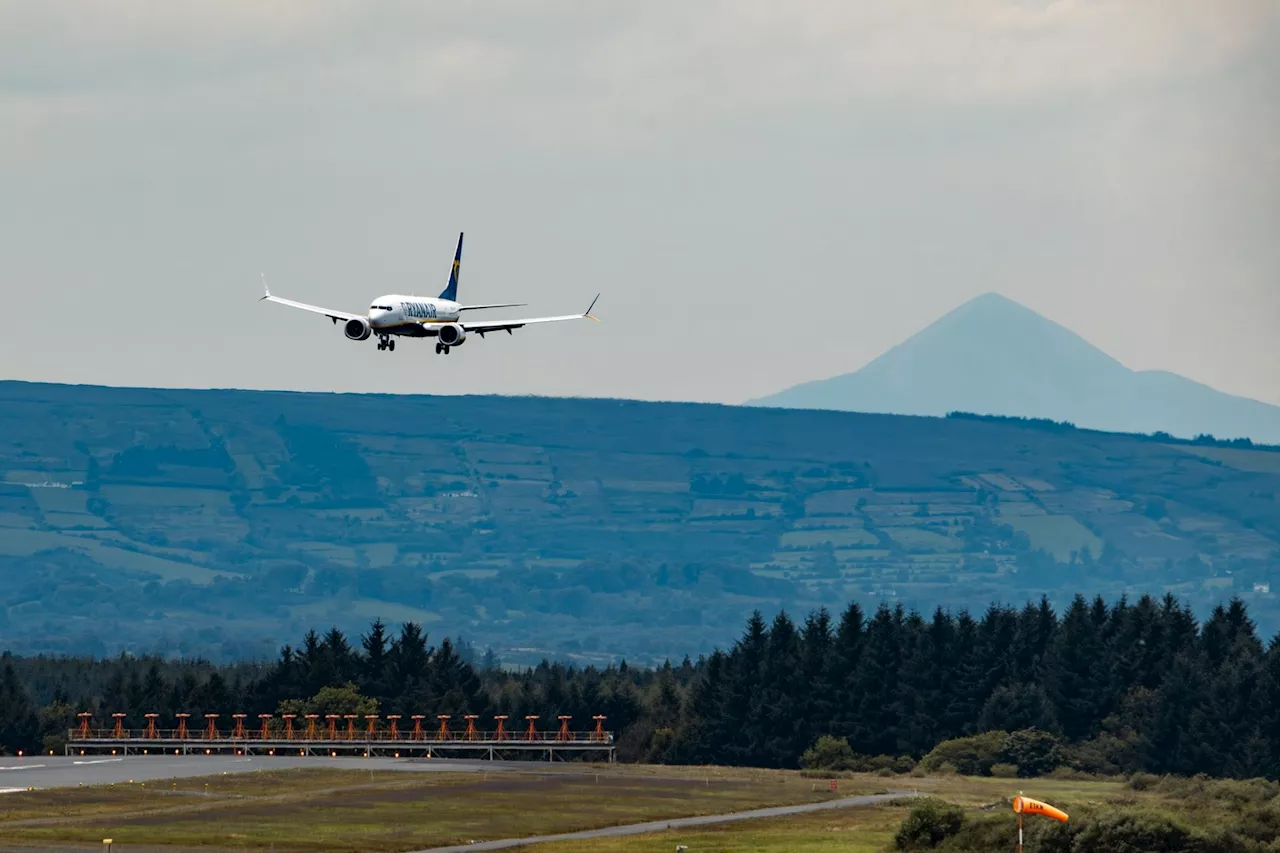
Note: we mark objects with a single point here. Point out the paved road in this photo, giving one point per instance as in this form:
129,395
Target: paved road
676,823
38,771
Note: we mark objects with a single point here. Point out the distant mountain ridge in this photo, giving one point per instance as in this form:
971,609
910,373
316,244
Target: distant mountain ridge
995,356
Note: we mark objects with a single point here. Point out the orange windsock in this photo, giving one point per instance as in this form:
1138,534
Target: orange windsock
1026,805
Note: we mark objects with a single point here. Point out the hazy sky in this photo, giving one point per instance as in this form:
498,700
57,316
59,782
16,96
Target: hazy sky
764,192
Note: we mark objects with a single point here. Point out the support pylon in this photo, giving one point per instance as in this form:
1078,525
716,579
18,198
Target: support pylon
118,729
151,732
237,733
333,725
265,732
211,730
394,732
288,725
501,732
371,730
471,734
443,733
85,718
563,734
183,732
418,733
532,732
311,726
599,734
351,725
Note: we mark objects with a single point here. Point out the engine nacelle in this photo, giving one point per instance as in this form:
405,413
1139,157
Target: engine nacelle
452,335
357,329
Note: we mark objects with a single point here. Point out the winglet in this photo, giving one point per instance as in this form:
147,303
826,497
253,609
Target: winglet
266,290
587,313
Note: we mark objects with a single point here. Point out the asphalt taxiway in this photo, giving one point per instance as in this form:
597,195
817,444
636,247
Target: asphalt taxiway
48,771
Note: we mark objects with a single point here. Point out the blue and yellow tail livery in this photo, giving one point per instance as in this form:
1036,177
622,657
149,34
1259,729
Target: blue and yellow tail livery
451,292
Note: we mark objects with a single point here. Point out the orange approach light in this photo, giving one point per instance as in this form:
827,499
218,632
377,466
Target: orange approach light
1026,805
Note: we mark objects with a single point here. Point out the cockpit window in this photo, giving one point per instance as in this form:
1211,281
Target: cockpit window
379,307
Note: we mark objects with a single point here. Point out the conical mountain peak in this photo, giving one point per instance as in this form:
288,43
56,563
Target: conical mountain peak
992,355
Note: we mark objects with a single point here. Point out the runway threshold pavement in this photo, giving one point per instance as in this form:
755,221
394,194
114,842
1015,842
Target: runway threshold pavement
48,771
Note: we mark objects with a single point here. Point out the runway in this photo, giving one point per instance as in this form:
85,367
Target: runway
38,771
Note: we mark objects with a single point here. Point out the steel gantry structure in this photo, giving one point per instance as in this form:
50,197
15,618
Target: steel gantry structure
342,734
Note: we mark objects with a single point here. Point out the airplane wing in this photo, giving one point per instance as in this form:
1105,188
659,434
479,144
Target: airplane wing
335,316
483,327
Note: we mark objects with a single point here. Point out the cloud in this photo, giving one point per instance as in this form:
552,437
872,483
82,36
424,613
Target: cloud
887,157
586,75
716,55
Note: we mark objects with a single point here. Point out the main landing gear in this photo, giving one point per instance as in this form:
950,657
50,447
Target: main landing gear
441,348
385,342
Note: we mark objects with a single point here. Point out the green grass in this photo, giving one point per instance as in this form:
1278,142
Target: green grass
322,810
70,501
870,829
916,539
838,538
830,522
23,543
75,520
167,497
1057,534
855,830
300,811
835,502
368,608
707,508
1256,461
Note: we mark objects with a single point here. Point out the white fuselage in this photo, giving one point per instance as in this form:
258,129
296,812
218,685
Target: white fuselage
388,312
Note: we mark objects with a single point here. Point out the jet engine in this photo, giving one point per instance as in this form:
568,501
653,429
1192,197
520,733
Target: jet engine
357,329
452,335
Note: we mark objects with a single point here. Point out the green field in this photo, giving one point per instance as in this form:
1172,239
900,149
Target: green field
302,811
332,811
1059,535
838,538
531,523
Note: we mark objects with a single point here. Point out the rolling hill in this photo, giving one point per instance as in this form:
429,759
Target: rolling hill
224,523
993,356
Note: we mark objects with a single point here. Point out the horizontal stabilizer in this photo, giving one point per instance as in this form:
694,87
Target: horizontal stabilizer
497,305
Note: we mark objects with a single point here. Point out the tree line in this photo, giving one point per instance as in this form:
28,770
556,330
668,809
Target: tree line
1122,687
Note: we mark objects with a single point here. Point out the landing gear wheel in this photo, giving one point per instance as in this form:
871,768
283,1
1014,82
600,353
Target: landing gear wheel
446,350
439,348
391,345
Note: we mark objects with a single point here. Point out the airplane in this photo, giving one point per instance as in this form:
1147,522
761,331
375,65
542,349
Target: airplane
397,315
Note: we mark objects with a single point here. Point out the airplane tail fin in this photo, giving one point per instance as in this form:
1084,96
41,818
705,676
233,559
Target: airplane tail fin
451,292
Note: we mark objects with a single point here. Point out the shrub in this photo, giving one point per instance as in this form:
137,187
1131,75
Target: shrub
1105,755
829,753
1033,751
892,763
1143,781
970,756
1004,771
1132,831
1070,774
928,824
